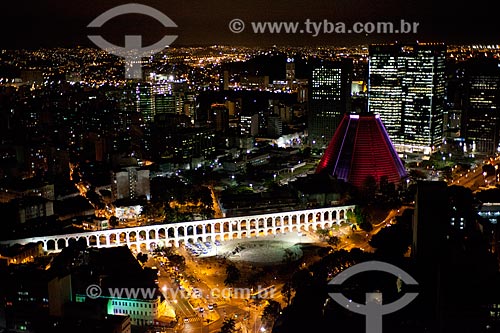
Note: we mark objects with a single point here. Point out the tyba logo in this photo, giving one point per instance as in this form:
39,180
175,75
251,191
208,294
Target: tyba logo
133,50
373,309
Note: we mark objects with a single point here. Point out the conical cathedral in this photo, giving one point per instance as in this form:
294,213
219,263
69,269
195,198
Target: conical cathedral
361,148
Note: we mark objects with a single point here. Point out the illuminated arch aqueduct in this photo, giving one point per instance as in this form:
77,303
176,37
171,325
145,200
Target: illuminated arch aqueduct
174,234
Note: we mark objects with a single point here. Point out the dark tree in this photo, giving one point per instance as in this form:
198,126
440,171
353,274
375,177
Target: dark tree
228,326
300,278
369,188
286,291
393,240
233,275
206,197
333,241
177,260
113,221
271,312
142,257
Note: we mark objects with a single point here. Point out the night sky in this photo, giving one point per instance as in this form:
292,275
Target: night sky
50,23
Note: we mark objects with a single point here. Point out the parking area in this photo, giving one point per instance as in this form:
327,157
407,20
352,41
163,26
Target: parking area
202,248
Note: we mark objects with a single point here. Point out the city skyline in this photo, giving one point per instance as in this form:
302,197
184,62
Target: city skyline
232,181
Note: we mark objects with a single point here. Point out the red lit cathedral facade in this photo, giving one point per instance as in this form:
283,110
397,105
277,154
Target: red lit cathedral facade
361,148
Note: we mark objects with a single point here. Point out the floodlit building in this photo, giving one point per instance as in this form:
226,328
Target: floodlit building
128,289
481,120
274,126
361,149
130,183
249,125
330,95
406,88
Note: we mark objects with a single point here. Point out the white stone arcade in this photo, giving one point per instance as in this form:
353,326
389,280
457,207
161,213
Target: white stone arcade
174,234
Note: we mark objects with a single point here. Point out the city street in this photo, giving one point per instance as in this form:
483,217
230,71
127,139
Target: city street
474,178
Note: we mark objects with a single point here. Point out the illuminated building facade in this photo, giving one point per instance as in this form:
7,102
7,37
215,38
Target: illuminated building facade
290,72
156,98
385,89
127,289
361,148
249,124
21,254
130,183
189,143
142,312
165,103
481,120
144,101
406,88
330,91
274,126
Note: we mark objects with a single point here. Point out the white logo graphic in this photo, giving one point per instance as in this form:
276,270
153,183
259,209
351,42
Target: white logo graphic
133,50
373,309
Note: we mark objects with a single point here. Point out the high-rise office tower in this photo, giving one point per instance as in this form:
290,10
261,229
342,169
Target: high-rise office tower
156,97
446,238
165,103
430,221
330,95
290,72
453,112
130,183
386,70
225,80
219,117
481,118
145,101
249,124
274,126
406,87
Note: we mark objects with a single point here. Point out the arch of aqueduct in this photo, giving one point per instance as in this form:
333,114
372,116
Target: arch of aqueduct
174,234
